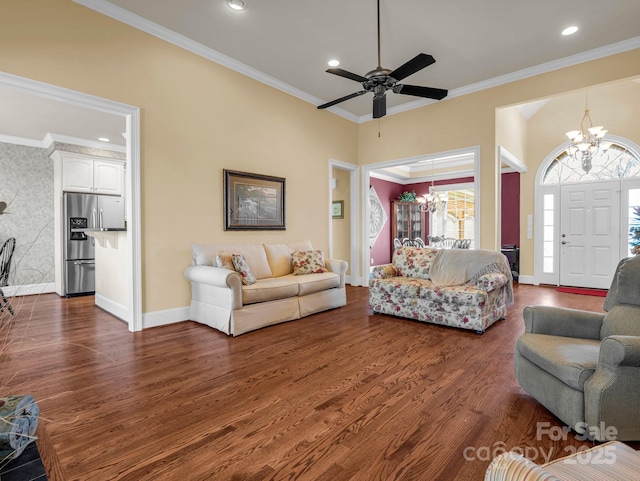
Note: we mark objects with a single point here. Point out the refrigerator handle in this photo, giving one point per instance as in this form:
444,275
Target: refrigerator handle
101,223
95,220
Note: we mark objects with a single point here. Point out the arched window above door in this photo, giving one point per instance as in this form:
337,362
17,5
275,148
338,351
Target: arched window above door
618,162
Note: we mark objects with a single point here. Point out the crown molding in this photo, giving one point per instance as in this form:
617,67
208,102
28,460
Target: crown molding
10,139
50,138
136,21
459,174
511,160
589,55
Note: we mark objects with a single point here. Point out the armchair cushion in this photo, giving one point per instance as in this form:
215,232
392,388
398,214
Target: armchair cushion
570,360
622,320
628,292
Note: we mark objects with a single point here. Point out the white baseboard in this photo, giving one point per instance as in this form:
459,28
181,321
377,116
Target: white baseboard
29,289
113,308
525,280
168,316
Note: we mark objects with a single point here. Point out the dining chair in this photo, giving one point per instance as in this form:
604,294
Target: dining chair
6,254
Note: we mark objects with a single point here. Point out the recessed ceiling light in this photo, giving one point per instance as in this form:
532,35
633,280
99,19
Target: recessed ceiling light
103,139
236,4
570,30
333,63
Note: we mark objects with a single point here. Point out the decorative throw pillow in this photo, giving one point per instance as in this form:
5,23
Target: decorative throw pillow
241,266
307,262
223,259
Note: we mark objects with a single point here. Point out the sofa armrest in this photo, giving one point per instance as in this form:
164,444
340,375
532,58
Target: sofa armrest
562,321
218,278
512,466
384,271
338,267
491,281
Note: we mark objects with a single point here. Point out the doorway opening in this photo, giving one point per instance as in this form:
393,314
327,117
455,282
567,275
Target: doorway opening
131,116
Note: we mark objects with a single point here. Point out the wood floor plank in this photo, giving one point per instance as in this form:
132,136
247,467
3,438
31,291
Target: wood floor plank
343,395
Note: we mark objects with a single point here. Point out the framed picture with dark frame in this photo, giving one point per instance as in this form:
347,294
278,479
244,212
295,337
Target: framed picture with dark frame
253,201
337,209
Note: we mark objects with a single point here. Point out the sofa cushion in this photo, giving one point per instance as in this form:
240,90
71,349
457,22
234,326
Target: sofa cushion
308,262
269,290
414,261
384,271
465,295
311,283
242,268
279,258
397,286
304,245
571,360
254,254
225,260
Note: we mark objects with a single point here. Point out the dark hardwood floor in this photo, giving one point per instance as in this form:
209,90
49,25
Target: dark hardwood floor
342,395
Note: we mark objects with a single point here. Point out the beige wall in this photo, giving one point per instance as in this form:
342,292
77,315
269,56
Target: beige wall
613,105
470,120
511,132
197,118
341,232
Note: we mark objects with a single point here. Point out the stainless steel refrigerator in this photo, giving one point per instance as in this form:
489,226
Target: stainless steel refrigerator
86,212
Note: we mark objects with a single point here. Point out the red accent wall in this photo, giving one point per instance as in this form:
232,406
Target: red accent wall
389,191
510,223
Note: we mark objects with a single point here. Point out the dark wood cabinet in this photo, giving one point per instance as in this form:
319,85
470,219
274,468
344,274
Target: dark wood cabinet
407,220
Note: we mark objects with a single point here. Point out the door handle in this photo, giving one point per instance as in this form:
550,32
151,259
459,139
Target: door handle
565,242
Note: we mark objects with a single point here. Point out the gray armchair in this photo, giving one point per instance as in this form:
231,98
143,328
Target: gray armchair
584,366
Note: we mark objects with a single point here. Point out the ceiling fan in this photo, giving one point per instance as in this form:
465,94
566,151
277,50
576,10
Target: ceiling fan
381,79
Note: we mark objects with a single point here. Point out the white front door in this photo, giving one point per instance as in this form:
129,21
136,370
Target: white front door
589,233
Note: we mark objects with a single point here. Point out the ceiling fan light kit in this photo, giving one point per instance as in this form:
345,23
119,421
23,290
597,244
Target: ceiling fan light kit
382,79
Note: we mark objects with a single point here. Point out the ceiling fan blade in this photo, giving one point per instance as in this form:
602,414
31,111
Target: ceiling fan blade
341,99
418,62
345,74
426,92
379,106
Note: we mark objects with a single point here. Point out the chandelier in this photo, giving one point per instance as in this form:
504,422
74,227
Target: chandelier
586,142
433,201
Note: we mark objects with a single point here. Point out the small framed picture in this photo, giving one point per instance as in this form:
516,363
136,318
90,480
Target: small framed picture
337,209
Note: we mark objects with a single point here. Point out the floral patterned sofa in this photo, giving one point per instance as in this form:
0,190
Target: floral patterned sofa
470,289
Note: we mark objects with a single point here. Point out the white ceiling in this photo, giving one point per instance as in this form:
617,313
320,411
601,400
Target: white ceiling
288,43
476,44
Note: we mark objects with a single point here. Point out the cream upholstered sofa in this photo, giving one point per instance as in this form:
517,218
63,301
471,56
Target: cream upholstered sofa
220,299
463,288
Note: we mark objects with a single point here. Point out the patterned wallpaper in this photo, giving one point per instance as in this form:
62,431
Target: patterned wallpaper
26,185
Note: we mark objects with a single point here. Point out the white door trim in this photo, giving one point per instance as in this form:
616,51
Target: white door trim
354,267
132,116
364,195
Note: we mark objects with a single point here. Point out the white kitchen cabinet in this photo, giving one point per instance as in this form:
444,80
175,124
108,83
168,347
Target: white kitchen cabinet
82,173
